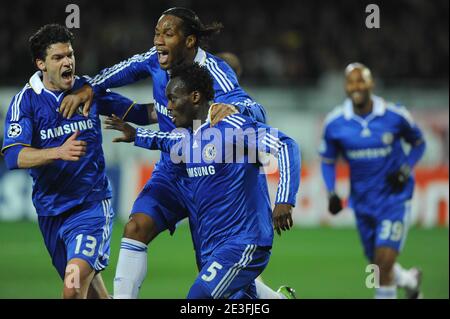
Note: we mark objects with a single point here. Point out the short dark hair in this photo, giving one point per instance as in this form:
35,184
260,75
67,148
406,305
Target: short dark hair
195,78
46,36
193,25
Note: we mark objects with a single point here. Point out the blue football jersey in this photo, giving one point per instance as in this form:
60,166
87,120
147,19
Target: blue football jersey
33,120
223,169
372,145
140,66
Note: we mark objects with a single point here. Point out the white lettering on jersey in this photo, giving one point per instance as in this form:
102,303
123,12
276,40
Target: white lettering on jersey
66,129
162,109
369,153
201,171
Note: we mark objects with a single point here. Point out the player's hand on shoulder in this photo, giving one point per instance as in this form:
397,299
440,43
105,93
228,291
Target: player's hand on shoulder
219,111
72,149
282,217
115,123
399,178
334,203
72,102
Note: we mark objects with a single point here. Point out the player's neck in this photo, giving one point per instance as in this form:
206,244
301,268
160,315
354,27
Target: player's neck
201,117
363,109
203,112
48,84
190,56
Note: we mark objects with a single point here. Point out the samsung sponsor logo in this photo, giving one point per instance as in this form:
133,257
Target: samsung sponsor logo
162,109
369,153
201,171
66,129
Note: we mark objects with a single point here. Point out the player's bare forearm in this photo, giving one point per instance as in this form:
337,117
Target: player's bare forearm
31,157
71,102
71,150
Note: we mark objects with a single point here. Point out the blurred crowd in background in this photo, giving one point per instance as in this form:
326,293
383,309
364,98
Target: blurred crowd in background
279,42
293,54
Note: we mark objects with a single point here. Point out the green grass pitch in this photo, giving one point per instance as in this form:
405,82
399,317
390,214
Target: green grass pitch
318,263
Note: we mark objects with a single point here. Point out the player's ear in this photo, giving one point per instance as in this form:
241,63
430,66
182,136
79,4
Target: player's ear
196,97
41,65
191,40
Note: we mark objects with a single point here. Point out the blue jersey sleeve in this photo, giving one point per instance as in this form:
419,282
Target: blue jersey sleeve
18,122
413,135
123,73
263,138
329,175
289,161
114,103
156,140
227,90
409,129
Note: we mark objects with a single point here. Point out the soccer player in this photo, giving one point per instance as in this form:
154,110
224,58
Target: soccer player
179,34
367,131
264,291
71,192
232,211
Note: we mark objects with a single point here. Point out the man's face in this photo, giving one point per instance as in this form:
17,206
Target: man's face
170,41
59,66
180,103
358,86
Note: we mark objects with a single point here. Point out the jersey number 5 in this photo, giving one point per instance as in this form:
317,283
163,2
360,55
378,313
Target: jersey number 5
212,269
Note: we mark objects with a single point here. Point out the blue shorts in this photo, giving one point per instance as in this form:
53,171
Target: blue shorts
230,272
387,227
83,232
165,198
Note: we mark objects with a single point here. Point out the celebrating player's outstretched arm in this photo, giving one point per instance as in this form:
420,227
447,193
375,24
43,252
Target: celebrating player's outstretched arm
71,150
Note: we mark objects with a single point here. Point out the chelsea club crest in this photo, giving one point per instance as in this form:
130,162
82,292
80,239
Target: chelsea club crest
387,138
209,152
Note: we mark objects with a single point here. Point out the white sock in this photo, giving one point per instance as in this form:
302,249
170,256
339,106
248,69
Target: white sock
386,292
131,269
404,278
265,292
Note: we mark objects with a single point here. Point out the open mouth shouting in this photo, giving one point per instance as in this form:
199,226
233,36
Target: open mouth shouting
163,56
67,76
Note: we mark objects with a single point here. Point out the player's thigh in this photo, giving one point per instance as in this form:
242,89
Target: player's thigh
366,226
392,226
162,200
229,270
87,234
79,275
50,227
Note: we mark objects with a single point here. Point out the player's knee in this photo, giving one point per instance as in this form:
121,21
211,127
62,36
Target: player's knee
72,293
141,227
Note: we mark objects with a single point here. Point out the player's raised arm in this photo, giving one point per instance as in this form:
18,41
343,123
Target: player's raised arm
123,73
126,72
114,103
